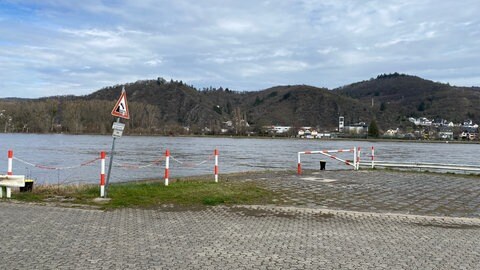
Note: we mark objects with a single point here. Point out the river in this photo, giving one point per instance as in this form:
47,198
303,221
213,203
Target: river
66,159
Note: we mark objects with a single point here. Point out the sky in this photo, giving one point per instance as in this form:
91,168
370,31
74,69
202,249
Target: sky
55,47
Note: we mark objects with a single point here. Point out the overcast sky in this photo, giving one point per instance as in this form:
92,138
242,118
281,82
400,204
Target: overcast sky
55,47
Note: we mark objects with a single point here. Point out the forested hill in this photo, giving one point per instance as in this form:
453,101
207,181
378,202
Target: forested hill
161,107
392,98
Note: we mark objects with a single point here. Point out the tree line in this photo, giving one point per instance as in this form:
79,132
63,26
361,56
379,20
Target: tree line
76,116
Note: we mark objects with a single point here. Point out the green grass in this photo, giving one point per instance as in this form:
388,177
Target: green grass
155,194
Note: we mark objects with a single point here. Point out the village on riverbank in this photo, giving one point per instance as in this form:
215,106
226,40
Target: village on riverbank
420,129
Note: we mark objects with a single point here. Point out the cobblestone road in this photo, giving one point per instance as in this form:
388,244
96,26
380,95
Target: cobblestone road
379,191
262,237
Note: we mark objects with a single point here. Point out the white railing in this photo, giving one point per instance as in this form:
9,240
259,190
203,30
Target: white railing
417,165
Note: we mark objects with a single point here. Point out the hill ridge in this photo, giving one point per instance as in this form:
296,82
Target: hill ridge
161,107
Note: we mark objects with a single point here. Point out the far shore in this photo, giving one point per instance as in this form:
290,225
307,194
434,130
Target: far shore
264,137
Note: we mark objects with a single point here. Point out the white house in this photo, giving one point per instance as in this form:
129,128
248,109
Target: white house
422,121
280,129
391,132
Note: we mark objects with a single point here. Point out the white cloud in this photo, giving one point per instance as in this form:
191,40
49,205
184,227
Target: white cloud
154,62
236,26
287,66
71,47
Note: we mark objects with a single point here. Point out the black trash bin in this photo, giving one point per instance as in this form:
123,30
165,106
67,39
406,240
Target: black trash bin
323,163
28,186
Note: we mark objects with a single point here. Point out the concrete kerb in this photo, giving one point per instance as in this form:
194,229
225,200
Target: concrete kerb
358,214
292,210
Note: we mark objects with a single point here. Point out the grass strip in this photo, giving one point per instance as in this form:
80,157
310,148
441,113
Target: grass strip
154,194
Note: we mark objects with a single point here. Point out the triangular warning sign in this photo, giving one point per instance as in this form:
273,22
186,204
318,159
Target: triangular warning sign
121,107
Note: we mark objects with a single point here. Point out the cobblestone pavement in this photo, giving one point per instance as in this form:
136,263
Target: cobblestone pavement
378,191
374,220
263,237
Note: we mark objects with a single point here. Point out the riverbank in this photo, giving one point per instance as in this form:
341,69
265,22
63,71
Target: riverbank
383,191
369,139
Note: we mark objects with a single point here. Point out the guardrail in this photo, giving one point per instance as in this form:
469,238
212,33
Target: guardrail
422,165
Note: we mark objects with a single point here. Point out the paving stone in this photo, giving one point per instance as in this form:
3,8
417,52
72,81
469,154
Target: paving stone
404,221
380,191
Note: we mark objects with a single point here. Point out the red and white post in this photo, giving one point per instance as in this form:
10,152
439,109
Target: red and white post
10,162
354,158
373,158
299,165
102,174
8,190
216,165
9,172
357,165
167,166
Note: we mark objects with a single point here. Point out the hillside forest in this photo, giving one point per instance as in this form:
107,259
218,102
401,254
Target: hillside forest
172,107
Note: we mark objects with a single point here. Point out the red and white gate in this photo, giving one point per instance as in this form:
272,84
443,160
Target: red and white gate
354,163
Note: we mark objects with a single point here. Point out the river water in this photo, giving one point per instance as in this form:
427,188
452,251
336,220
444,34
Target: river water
66,159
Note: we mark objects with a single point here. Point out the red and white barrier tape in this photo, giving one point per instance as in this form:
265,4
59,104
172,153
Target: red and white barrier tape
328,151
55,168
190,164
134,166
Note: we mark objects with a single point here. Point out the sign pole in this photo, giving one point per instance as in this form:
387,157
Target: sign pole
120,111
110,163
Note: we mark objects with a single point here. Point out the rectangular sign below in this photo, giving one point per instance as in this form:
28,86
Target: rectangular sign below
117,133
118,126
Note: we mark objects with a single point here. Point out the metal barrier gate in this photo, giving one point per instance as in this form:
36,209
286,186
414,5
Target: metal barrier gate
354,163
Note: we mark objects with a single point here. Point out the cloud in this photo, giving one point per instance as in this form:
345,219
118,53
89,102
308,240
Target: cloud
70,47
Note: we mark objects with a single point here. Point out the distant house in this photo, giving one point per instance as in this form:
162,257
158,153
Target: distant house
422,121
325,135
469,133
391,132
308,132
357,129
469,124
445,133
305,132
280,129
439,122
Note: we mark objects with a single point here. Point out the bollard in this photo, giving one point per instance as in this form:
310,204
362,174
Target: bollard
323,163
167,165
9,172
216,165
102,174
373,157
299,165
